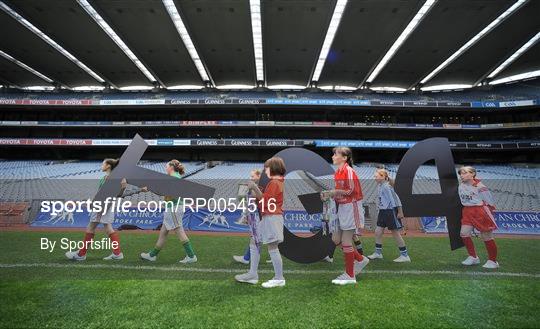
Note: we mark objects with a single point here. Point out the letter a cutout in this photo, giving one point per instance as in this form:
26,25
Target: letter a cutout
447,203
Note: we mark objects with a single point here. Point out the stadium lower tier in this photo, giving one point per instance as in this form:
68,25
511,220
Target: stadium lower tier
515,188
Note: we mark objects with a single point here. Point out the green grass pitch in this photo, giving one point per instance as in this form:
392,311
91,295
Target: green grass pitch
43,289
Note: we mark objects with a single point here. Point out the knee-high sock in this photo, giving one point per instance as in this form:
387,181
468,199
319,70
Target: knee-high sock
275,256
349,260
491,249
255,257
154,252
247,253
115,240
403,251
378,248
189,249
87,238
469,245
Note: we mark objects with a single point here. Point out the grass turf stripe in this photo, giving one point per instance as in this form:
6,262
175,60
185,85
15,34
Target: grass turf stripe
232,271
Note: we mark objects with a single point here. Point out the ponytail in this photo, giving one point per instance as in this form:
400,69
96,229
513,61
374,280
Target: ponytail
112,162
386,176
177,166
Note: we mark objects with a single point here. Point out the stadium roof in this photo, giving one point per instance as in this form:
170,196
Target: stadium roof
245,43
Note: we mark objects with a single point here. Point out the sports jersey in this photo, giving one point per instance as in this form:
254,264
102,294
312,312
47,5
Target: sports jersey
273,195
102,181
171,200
347,180
388,198
475,194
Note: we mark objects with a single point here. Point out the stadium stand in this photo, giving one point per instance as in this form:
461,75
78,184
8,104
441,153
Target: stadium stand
514,188
517,91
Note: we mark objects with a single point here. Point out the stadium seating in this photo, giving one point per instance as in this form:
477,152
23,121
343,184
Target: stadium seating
514,188
60,181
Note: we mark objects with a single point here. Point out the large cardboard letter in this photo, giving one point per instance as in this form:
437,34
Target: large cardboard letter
446,203
156,182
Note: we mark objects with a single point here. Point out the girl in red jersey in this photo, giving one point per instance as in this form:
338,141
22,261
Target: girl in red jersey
270,228
478,207
350,214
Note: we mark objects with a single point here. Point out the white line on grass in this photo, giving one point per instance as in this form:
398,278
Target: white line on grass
232,271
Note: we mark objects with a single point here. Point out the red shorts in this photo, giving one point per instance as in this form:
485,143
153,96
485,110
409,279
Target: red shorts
479,217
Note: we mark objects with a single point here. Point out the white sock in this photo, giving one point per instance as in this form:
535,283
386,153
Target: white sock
277,262
255,256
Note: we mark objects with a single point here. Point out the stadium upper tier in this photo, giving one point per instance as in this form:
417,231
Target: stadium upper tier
514,92
514,188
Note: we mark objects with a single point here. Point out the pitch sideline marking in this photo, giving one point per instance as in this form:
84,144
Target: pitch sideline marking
232,271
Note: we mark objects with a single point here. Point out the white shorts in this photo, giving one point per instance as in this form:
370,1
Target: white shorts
350,216
172,219
107,218
271,229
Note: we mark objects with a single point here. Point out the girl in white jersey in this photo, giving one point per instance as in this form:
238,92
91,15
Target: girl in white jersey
478,207
390,215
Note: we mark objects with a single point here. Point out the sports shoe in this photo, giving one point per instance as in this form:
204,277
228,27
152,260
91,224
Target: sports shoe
375,255
403,259
247,278
273,283
188,260
74,255
471,261
113,256
240,259
328,259
359,266
490,264
344,279
146,256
